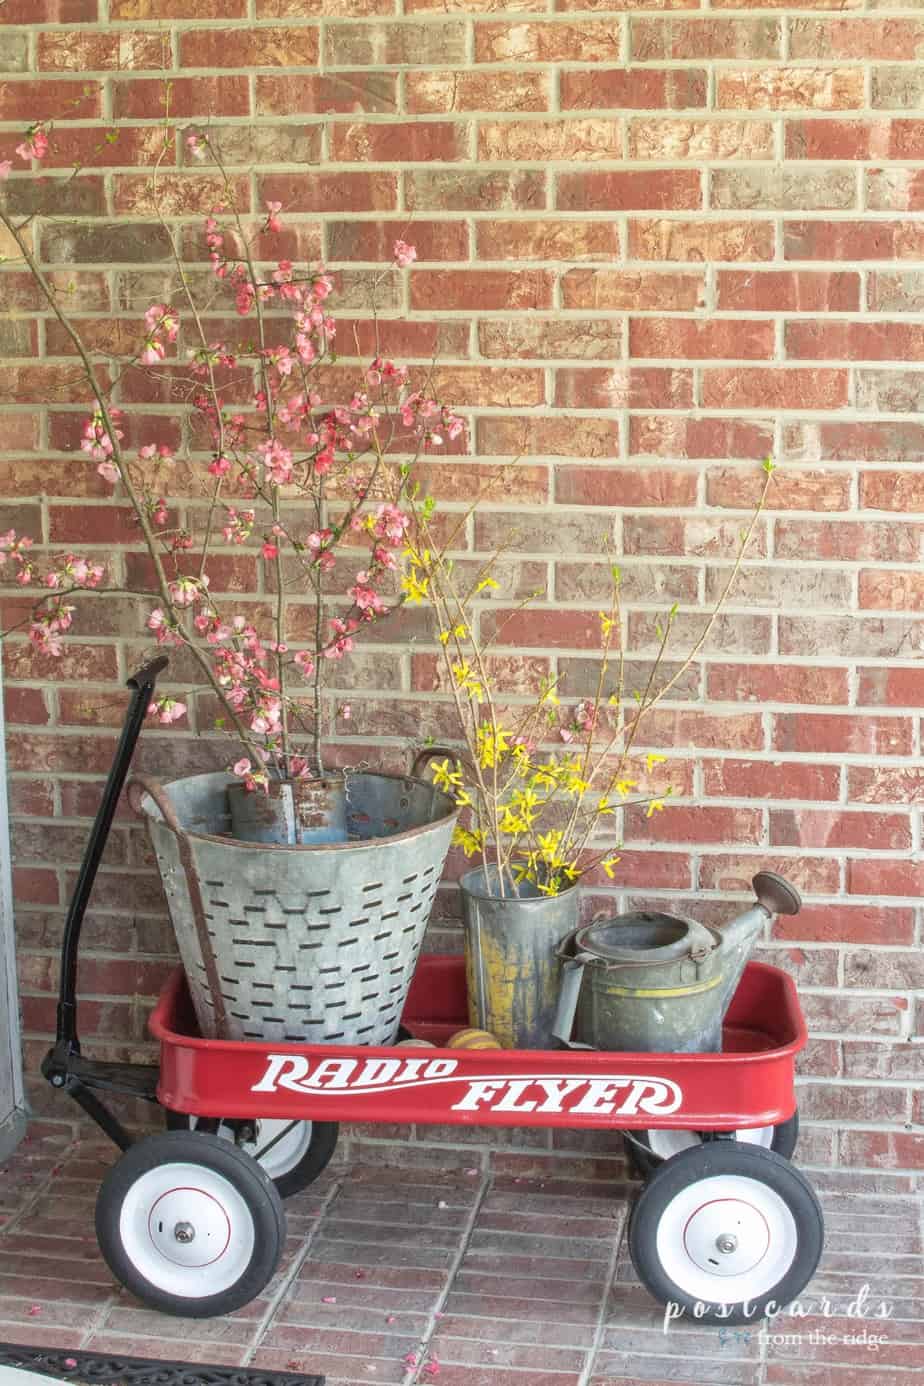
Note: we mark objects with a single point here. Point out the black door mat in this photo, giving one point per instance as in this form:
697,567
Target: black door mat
103,1368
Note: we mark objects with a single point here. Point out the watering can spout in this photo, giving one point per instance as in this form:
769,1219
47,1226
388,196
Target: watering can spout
774,896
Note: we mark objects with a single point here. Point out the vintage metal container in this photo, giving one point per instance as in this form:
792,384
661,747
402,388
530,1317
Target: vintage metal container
312,944
303,811
658,982
511,958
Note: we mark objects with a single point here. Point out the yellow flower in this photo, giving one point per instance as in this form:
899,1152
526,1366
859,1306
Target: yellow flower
608,865
491,747
544,776
414,586
604,807
444,637
653,759
606,624
654,807
549,844
485,584
443,777
624,787
463,798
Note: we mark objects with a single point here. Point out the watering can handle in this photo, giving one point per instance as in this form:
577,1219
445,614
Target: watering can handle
572,974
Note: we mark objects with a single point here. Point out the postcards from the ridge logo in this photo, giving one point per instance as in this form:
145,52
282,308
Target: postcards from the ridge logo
588,1094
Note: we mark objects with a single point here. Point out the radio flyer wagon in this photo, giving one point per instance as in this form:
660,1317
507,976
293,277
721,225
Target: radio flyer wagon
191,1220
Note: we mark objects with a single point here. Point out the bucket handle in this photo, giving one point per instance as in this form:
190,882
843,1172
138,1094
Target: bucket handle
572,975
142,784
424,756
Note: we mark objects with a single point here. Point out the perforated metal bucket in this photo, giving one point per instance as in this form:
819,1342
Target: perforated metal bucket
300,943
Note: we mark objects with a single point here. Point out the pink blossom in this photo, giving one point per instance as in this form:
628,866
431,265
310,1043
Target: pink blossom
404,254
195,146
167,710
109,470
305,662
272,221
70,1362
33,1310
35,146
346,711
241,767
342,644
270,550
220,466
184,591
328,1299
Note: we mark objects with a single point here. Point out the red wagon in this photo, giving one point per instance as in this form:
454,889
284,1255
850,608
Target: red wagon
192,1220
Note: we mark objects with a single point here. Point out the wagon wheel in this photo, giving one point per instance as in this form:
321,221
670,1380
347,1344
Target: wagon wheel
726,1230
190,1224
293,1153
646,1150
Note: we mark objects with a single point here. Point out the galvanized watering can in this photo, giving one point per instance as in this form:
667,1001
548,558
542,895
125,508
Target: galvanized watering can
659,982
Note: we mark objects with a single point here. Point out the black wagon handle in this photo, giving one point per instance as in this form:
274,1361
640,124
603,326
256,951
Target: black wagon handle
147,675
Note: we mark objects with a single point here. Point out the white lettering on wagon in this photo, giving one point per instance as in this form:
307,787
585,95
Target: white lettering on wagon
582,1094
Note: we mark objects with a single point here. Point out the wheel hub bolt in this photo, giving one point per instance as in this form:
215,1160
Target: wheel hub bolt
726,1242
184,1232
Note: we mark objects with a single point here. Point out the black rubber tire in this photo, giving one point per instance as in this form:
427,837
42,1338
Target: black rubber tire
314,1161
221,1157
643,1161
692,1166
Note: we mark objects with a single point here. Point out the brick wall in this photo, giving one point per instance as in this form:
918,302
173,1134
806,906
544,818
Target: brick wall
654,246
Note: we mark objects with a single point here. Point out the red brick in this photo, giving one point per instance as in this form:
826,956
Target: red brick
190,97
632,189
624,486
846,923
777,683
620,289
632,88
848,241
884,784
623,387
888,440
265,46
548,239
318,93
407,143
573,139
650,869
794,291
50,12
34,886
846,540
26,706
21,100
762,779
436,93
33,797
555,338
590,41
850,1102
700,38
177,9
103,524
691,728
891,589
654,239
319,192
435,43
695,824
855,341
549,629
460,190
887,38
789,490
838,139
869,967
690,536
876,877
699,437
691,339
775,388
876,1150
64,50
849,734
791,88
810,875
177,194
899,491
893,687
554,436
480,289
887,390
832,828
374,240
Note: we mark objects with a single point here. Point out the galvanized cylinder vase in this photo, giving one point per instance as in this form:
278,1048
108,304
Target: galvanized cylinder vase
510,957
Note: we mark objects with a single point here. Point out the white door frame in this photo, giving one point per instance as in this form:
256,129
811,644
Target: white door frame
12,1113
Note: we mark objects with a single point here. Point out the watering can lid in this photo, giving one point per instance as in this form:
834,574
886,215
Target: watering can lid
645,936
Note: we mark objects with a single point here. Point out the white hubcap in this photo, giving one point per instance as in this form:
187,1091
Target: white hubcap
187,1230
727,1238
665,1143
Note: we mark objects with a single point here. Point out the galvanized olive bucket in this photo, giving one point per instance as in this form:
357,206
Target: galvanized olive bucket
300,943
510,957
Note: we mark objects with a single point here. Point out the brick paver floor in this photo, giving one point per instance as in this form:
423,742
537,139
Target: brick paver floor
466,1268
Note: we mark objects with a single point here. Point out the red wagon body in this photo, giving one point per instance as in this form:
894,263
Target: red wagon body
748,1084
